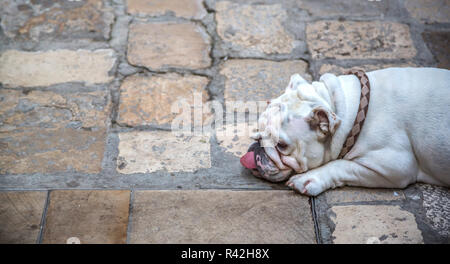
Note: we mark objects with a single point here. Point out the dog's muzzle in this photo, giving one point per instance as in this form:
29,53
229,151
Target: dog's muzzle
262,166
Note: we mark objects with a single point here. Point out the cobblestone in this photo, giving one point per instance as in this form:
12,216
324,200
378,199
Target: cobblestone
439,44
58,19
164,45
181,8
44,131
52,151
48,109
338,70
375,224
254,30
429,11
359,40
259,80
44,68
148,100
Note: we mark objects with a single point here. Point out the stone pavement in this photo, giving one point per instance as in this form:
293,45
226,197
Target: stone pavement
86,88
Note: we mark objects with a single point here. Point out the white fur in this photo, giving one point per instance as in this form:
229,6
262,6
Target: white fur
405,137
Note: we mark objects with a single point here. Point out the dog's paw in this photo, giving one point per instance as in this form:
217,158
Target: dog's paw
306,184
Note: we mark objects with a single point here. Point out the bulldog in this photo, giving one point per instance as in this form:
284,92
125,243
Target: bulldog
312,135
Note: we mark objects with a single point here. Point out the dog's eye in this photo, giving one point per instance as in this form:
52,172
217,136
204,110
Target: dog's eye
281,145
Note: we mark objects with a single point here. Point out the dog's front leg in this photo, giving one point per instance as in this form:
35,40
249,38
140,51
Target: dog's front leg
334,174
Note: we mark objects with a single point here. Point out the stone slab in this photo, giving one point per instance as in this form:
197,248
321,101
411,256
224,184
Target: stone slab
329,8
217,216
56,19
52,151
20,216
374,224
87,217
354,194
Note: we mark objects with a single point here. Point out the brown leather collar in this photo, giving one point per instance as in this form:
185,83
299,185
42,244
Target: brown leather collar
362,112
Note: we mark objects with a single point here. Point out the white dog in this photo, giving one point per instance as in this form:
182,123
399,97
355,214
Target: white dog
405,137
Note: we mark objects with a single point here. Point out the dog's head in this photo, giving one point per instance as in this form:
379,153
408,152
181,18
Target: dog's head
293,132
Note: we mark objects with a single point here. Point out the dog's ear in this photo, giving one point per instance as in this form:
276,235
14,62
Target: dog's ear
295,81
324,121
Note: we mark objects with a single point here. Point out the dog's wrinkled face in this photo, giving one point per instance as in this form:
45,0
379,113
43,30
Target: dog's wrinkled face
294,131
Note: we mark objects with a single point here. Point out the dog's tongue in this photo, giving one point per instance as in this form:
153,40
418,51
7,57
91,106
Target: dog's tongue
248,160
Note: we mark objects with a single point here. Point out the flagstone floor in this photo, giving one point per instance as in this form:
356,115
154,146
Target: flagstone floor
86,90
